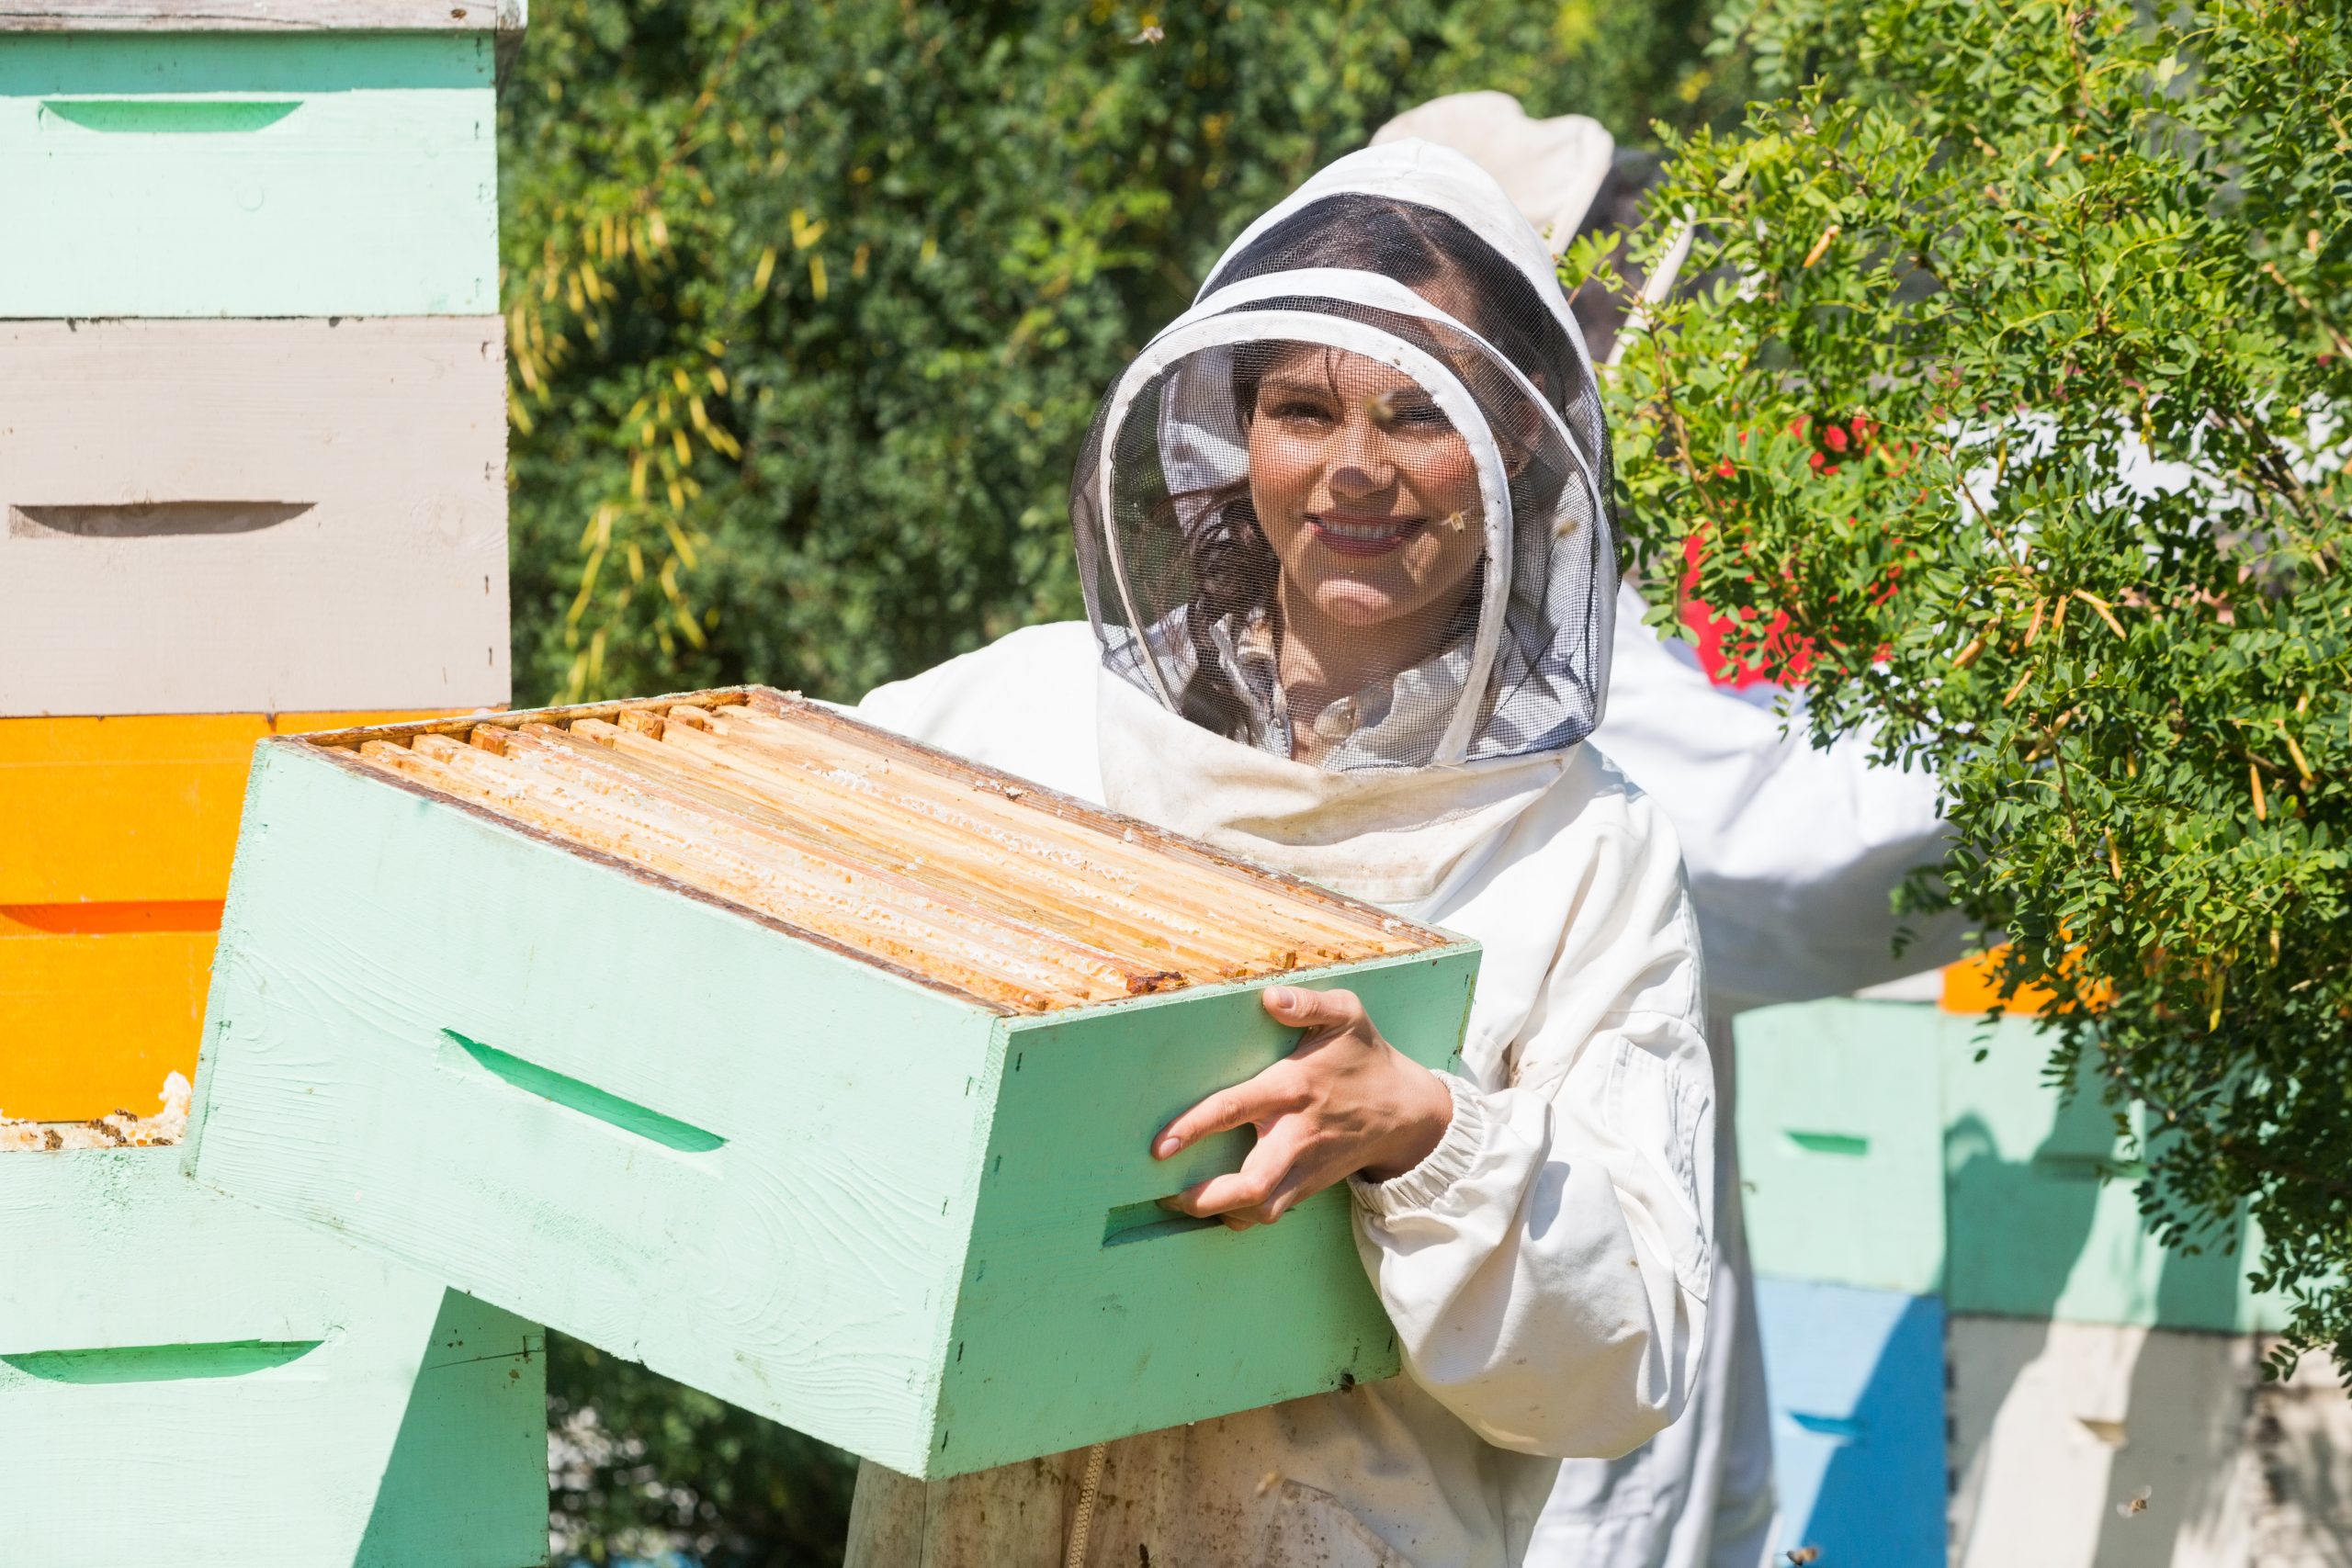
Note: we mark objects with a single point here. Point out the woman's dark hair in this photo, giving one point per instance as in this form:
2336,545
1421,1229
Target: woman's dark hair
1233,567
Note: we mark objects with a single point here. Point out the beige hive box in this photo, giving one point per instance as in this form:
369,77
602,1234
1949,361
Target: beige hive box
813,1068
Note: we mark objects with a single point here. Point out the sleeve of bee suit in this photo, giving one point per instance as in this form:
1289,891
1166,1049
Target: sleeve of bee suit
1546,1266
1023,705
1795,852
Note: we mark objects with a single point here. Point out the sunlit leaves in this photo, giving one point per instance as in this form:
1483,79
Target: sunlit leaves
2050,270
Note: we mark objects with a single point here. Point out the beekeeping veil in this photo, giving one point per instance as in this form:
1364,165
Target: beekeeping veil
1377,414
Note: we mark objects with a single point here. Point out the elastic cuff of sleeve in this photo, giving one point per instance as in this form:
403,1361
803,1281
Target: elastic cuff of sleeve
1457,1151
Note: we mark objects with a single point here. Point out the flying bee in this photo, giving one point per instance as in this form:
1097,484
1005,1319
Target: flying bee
1382,407
1456,523
1150,34
1801,1555
2135,1504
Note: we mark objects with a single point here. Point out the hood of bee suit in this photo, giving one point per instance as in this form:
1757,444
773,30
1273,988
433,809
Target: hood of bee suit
1377,426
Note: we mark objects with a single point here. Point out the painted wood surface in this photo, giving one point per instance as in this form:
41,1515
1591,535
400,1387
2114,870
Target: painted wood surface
1857,1384
1877,1150
96,1022
2060,1428
1085,1310
131,810
251,516
249,174
185,1379
264,15
1840,1143
692,1138
2043,1208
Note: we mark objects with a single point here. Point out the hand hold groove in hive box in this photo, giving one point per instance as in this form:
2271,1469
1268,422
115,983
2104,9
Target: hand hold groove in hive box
814,1068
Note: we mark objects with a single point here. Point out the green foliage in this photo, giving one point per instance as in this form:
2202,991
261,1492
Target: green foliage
808,304
650,1469
1975,262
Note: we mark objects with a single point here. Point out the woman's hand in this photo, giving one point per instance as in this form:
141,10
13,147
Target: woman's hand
1344,1102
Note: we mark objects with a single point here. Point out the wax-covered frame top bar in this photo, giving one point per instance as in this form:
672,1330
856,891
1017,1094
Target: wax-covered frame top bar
950,874
261,16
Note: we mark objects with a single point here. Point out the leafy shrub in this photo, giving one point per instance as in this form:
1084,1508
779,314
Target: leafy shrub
2012,400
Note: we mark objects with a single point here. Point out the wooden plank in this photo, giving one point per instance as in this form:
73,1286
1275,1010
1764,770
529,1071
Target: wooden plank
96,1022
201,1384
260,16
767,1182
1221,888
130,810
336,465
938,870
671,849
250,174
1030,890
1857,1384
1330,912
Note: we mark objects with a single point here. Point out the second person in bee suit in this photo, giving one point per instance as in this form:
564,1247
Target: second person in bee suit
1346,540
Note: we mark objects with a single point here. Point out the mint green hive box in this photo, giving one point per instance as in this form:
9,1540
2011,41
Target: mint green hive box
308,164
914,1224
187,1380
1877,1150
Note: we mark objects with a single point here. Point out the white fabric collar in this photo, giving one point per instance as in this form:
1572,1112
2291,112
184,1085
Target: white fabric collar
1404,838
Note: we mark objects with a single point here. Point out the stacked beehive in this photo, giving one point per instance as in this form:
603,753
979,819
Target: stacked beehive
252,478
1976,1345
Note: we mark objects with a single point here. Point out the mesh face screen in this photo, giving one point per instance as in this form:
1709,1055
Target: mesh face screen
1351,508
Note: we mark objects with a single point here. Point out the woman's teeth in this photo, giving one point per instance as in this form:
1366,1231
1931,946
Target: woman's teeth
1351,536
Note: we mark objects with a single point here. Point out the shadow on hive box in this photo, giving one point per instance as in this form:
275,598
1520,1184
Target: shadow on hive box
2016,1238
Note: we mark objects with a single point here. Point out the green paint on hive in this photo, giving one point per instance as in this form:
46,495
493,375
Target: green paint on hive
170,117
249,174
898,1243
590,1100
298,1399
160,1363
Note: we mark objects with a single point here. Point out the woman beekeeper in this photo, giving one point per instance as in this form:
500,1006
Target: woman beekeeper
1345,533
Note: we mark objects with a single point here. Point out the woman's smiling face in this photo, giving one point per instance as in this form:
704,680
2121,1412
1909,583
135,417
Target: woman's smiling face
1366,493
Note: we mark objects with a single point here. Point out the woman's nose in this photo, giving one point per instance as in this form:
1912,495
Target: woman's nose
1361,464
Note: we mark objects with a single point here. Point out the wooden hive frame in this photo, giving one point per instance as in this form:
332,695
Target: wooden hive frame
813,1068
954,875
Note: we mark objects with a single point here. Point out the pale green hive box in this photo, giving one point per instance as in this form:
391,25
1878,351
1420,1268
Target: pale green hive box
1877,1150
187,1380
266,158
906,1218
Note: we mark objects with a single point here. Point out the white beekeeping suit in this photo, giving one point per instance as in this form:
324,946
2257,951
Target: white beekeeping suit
1794,855
1391,332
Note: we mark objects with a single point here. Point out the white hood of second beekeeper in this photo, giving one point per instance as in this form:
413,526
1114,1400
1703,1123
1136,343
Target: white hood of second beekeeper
1400,837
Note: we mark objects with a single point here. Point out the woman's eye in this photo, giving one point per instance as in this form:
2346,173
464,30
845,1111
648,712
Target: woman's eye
1301,410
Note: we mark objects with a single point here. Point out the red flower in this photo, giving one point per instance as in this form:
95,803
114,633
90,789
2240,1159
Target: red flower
1817,461
1834,436
1724,469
